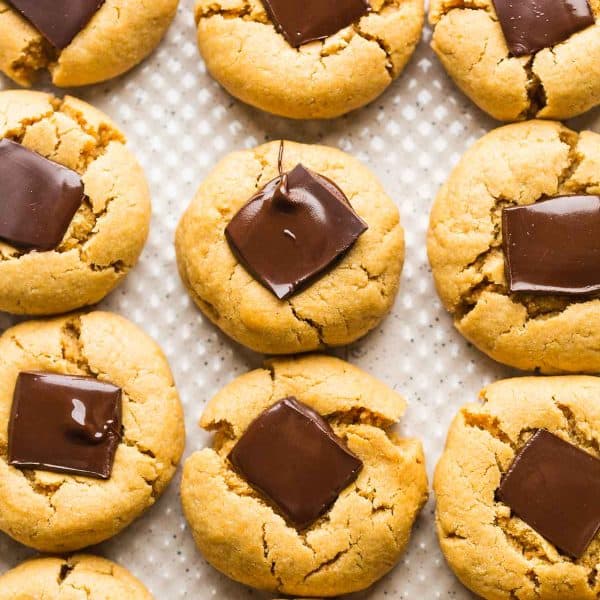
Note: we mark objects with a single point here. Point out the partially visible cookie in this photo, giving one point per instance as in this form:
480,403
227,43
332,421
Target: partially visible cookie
103,239
251,54
496,554
551,328
56,507
357,539
79,42
64,578
336,306
510,82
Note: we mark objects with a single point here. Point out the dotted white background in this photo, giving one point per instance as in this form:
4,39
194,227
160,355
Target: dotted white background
179,123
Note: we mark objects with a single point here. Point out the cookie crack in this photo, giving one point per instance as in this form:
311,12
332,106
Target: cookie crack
450,5
383,45
316,327
328,563
65,570
73,351
575,431
534,88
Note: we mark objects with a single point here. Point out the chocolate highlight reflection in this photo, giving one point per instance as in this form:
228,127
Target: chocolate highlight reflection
531,25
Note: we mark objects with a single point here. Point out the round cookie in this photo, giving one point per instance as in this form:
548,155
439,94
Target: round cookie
366,530
66,578
517,164
117,37
493,552
245,53
554,83
55,512
108,231
337,308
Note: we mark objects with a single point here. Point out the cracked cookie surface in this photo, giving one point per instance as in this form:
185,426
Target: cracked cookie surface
555,83
337,308
119,36
492,551
60,513
364,533
516,164
75,577
109,230
320,80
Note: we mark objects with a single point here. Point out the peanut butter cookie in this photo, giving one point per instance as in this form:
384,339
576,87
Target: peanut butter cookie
318,417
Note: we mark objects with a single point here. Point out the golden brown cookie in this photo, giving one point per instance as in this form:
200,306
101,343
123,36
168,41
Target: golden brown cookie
492,551
555,83
320,80
337,308
57,512
514,165
366,530
118,36
108,231
68,578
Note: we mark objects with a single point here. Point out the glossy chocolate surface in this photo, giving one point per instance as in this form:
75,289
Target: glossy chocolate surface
293,229
292,456
302,22
555,488
59,21
38,198
65,424
553,247
531,25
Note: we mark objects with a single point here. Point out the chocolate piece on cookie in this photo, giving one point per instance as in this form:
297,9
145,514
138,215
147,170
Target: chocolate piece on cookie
291,454
553,246
39,198
302,22
64,423
293,229
59,21
554,486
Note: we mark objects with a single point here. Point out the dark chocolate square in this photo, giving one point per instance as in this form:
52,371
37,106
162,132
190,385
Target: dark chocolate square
38,198
59,21
290,454
302,22
553,246
555,488
531,25
293,229
64,423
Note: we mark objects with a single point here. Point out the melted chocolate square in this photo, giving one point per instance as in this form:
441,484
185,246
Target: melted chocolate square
38,198
65,424
59,21
293,229
290,454
531,25
555,488
302,22
553,247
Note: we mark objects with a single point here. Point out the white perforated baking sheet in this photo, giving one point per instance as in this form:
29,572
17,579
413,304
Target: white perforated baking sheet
179,123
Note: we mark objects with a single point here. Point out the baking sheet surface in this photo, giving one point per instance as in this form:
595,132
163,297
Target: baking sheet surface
179,122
